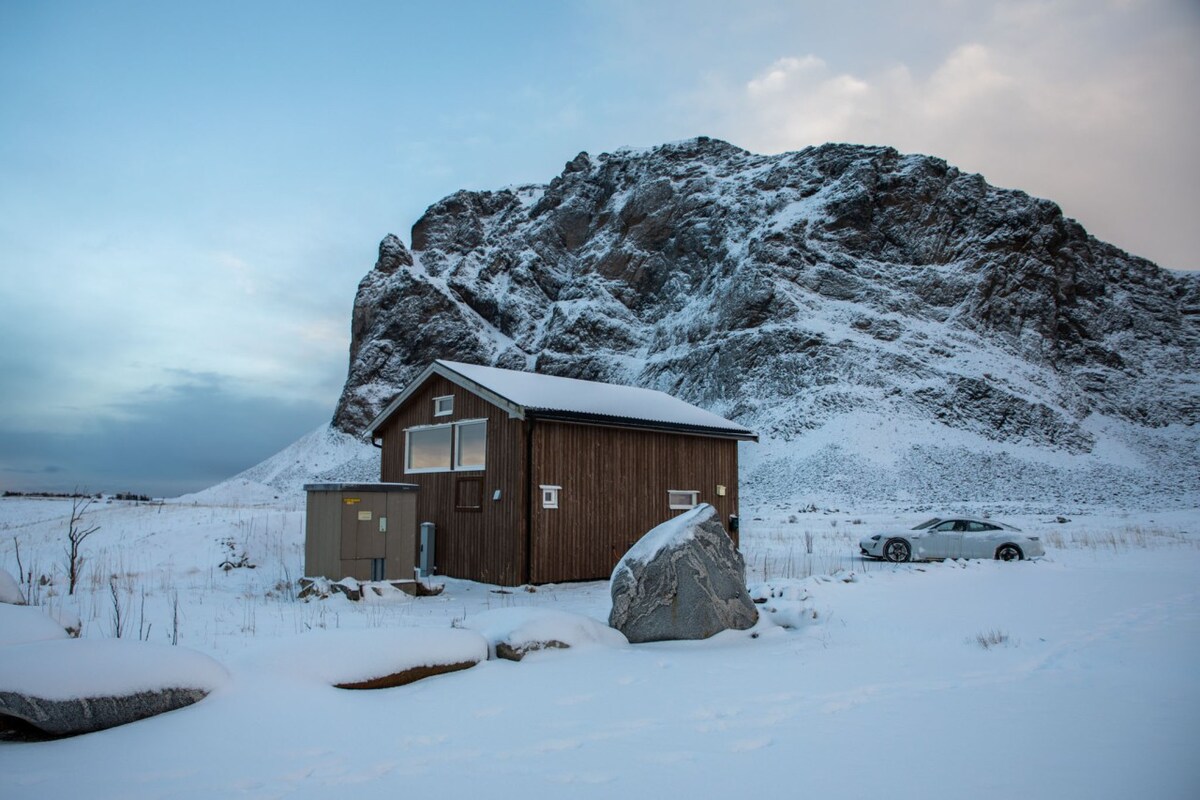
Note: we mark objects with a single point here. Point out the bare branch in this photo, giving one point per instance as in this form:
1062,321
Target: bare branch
76,533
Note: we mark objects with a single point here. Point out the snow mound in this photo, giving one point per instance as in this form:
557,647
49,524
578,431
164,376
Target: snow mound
81,668
521,627
10,590
354,656
22,624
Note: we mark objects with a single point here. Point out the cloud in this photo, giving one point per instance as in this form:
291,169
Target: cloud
239,272
803,101
48,469
166,440
1091,105
782,72
89,329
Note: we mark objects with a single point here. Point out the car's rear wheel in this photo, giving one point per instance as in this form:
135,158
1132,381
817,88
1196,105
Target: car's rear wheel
1009,552
897,551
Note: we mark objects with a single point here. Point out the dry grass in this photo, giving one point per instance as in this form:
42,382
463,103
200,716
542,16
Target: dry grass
791,554
992,638
1123,538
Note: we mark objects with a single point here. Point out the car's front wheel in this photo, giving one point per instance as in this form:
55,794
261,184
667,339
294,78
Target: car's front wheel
1008,552
897,551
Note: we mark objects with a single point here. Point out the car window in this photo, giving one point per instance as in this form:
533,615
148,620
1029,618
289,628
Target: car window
948,525
979,527
927,523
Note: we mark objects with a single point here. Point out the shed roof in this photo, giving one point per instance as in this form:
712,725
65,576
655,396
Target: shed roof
361,487
529,394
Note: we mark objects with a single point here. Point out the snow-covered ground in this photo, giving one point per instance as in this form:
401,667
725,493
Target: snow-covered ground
1072,676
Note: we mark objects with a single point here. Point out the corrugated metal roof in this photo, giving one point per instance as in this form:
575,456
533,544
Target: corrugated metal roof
550,396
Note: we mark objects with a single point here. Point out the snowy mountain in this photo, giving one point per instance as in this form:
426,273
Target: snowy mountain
895,329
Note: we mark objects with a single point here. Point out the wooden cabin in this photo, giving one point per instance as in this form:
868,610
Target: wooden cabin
534,478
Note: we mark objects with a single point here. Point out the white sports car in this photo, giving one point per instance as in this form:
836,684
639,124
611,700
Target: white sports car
941,537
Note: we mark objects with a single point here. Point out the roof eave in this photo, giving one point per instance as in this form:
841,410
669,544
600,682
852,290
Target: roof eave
740,434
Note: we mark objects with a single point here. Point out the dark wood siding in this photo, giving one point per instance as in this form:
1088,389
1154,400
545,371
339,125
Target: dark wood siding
614,488
484,545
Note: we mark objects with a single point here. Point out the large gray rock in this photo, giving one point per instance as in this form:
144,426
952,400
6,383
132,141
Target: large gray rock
682,580
88,714
75,686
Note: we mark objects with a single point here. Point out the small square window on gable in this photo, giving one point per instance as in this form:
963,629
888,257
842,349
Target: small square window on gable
443,406
682,499
550,496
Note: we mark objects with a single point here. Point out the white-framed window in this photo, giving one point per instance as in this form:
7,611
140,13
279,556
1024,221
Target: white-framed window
470,444
443,406
427,449
550,496
682,498
446,448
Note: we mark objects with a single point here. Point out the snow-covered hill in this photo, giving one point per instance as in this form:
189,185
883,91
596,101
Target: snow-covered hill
896,330
325,455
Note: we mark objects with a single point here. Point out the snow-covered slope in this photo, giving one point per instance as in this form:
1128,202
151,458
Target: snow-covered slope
893,328
325,455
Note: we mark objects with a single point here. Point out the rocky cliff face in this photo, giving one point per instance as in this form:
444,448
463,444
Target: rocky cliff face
854,305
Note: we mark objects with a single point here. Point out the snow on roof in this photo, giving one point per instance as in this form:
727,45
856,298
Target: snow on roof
549,393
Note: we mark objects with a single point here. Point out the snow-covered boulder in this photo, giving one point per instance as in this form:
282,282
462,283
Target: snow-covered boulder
512,633
82,685
10,590
68,618
21,624
375,658
682,580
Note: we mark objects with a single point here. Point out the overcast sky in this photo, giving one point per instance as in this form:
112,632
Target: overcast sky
189,193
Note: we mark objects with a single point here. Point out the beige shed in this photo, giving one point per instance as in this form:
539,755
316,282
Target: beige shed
366,531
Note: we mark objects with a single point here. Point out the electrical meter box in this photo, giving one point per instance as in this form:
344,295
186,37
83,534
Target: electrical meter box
365,531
